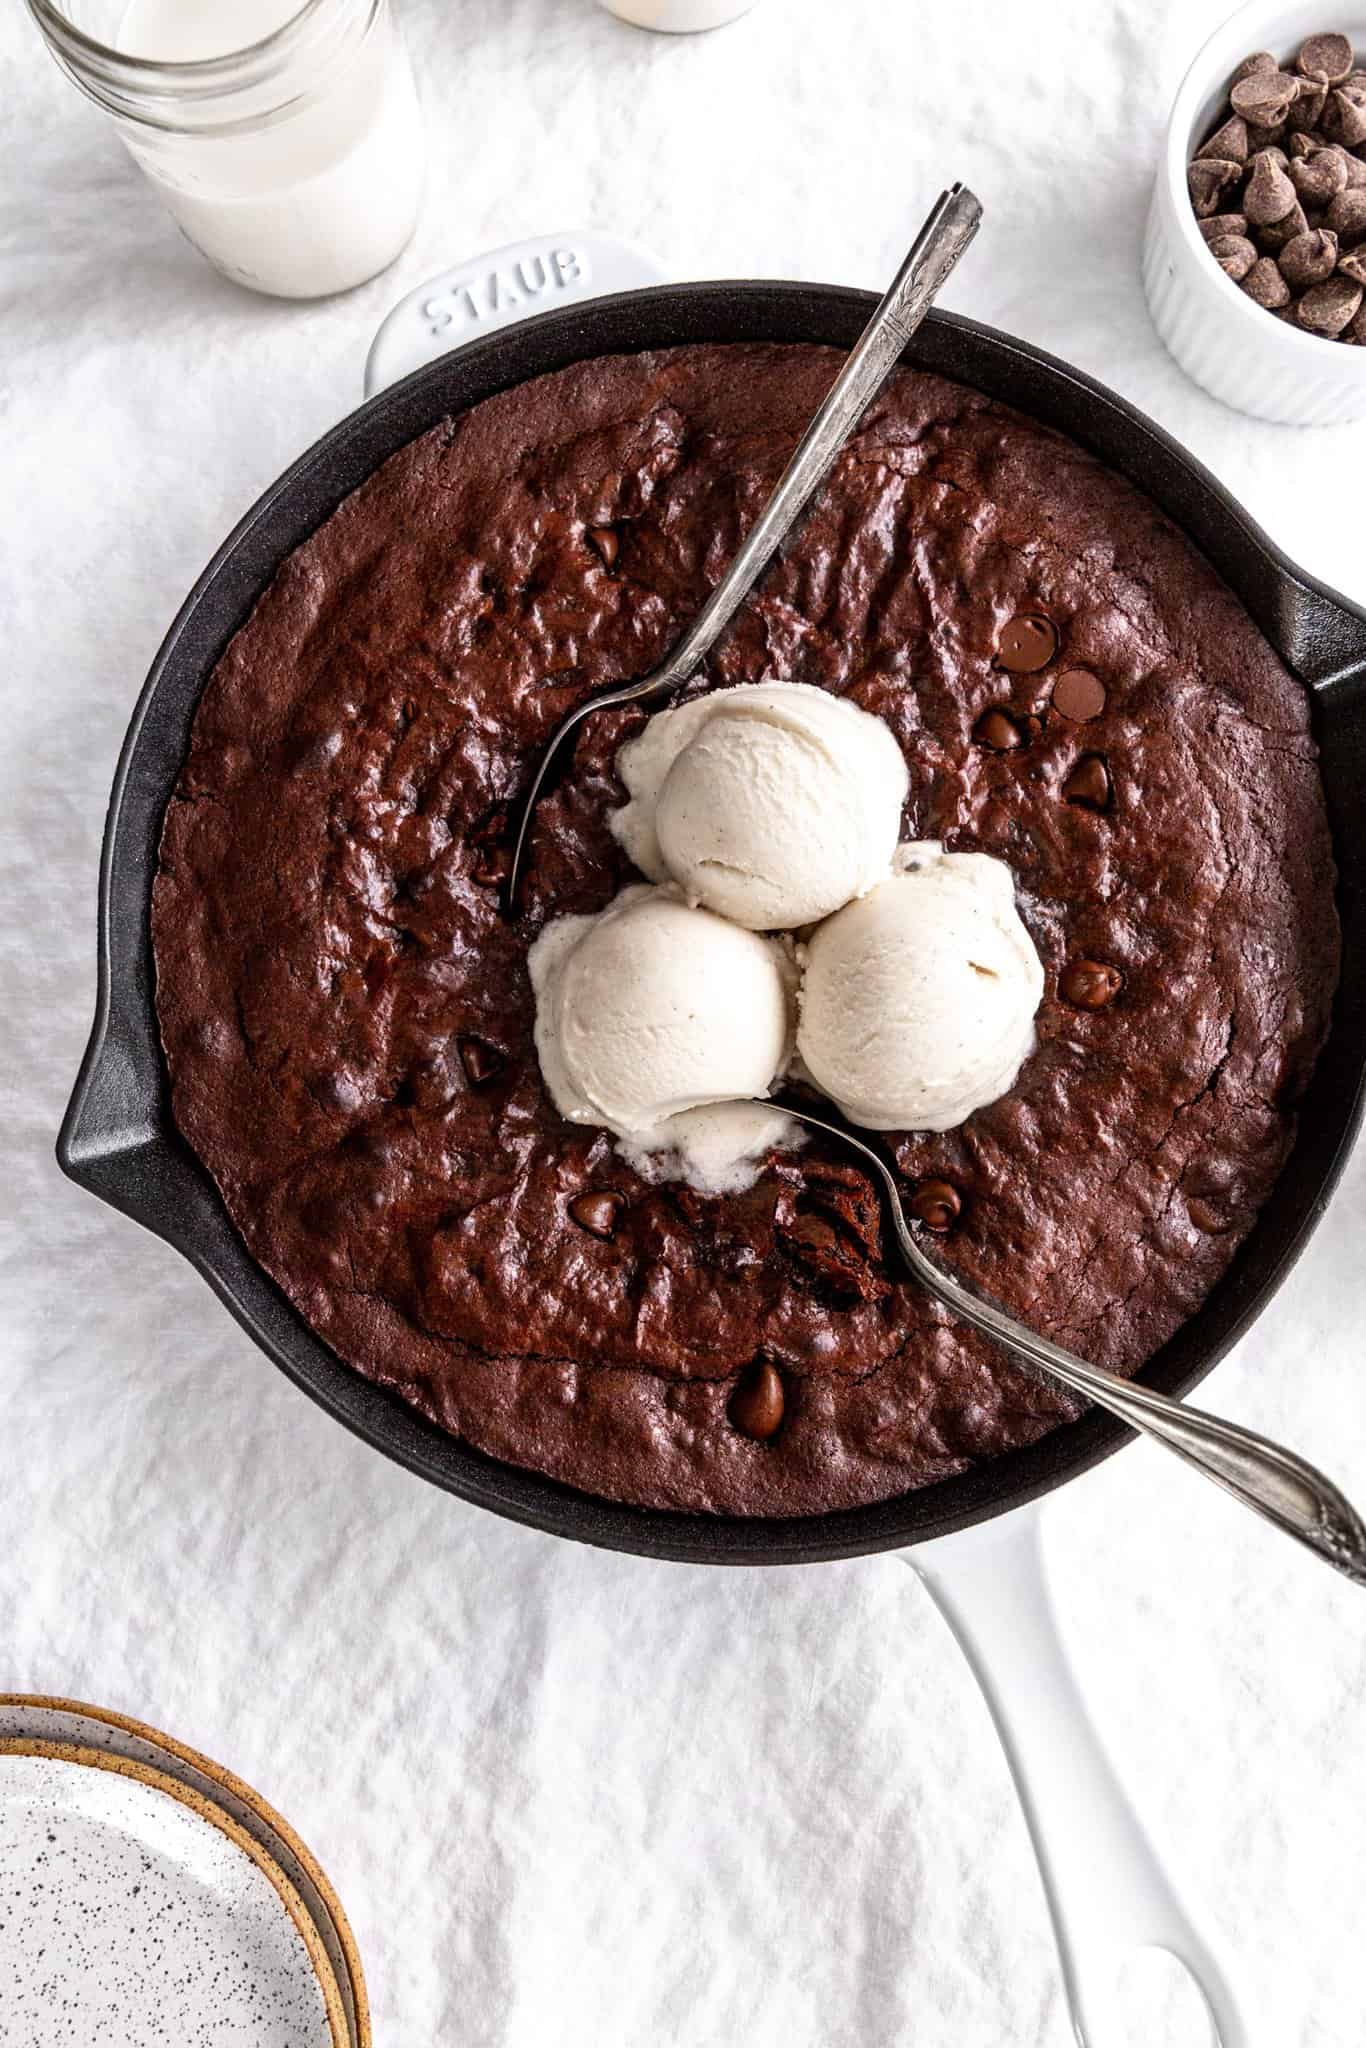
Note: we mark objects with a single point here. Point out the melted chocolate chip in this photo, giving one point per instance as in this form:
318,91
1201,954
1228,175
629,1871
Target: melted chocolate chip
998,730
1089,984
1027,643
491,869
492,855
1208,1215
607,542
480,1060
937,1204
756,1406
598,1211
1088,785
1078,695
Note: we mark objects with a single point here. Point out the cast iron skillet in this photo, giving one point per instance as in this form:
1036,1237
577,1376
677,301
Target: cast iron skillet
118,1139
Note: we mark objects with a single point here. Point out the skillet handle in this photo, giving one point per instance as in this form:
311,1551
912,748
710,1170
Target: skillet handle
496,289
1106,1890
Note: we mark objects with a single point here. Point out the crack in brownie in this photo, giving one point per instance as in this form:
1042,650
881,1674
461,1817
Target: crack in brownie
347,1016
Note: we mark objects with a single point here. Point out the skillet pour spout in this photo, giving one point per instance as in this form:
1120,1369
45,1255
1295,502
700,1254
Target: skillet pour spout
119,1140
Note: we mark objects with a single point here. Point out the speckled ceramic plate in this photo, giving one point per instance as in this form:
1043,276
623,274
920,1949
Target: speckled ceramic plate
47,1719
133,1909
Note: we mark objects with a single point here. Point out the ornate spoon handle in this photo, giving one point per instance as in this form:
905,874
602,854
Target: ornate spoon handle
1286,1489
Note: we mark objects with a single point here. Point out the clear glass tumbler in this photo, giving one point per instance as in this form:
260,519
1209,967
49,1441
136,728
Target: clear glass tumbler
295,162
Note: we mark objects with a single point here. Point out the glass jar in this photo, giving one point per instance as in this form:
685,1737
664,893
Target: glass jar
293,162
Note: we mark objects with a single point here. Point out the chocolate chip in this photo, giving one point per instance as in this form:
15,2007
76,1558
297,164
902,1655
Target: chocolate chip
1304,116
1265,97
1228,143
1326,59
1264,138
1222,224
997,729
1356,169
1089,984
1356,327
1079,695
1327,308
1208,1216
1319,178
1275,236
1353,265
1344,117
1347,215
1309,258
1027,643
480,1060
1268,195
937,1204
1265,285
1302,146
607,542
1208,179
1088,785
339,1089
1260,60
598,1211
756,1406
1235,256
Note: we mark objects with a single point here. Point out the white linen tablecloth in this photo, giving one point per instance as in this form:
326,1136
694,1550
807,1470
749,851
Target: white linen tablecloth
572,1798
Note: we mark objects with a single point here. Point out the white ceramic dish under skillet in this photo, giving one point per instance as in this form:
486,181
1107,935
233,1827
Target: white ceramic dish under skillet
1234,349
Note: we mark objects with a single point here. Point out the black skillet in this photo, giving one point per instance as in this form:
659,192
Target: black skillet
118,1139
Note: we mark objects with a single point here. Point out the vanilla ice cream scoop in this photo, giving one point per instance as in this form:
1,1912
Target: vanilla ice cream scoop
650,1014
918,1001
772,804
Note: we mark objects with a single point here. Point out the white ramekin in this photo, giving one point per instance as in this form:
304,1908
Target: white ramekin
1235,349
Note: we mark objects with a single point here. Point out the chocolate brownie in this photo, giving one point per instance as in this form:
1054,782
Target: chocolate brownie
346,1011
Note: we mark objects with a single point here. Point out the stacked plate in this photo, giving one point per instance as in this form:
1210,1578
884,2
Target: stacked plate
148,1896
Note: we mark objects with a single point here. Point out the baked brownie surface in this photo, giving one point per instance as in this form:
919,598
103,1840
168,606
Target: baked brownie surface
348,1020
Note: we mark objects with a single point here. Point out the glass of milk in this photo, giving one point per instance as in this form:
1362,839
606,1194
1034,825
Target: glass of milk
284,135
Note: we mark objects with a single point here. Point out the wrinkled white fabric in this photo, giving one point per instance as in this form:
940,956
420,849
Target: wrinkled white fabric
571,1798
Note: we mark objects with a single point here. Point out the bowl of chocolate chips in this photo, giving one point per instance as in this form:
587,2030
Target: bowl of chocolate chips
1254,261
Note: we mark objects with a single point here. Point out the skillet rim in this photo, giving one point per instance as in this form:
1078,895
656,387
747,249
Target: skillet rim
118,1140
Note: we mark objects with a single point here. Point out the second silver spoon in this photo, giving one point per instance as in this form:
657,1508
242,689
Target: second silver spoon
1286,1489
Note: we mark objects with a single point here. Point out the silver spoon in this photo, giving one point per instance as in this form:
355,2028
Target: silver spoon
1278,1484
949,227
